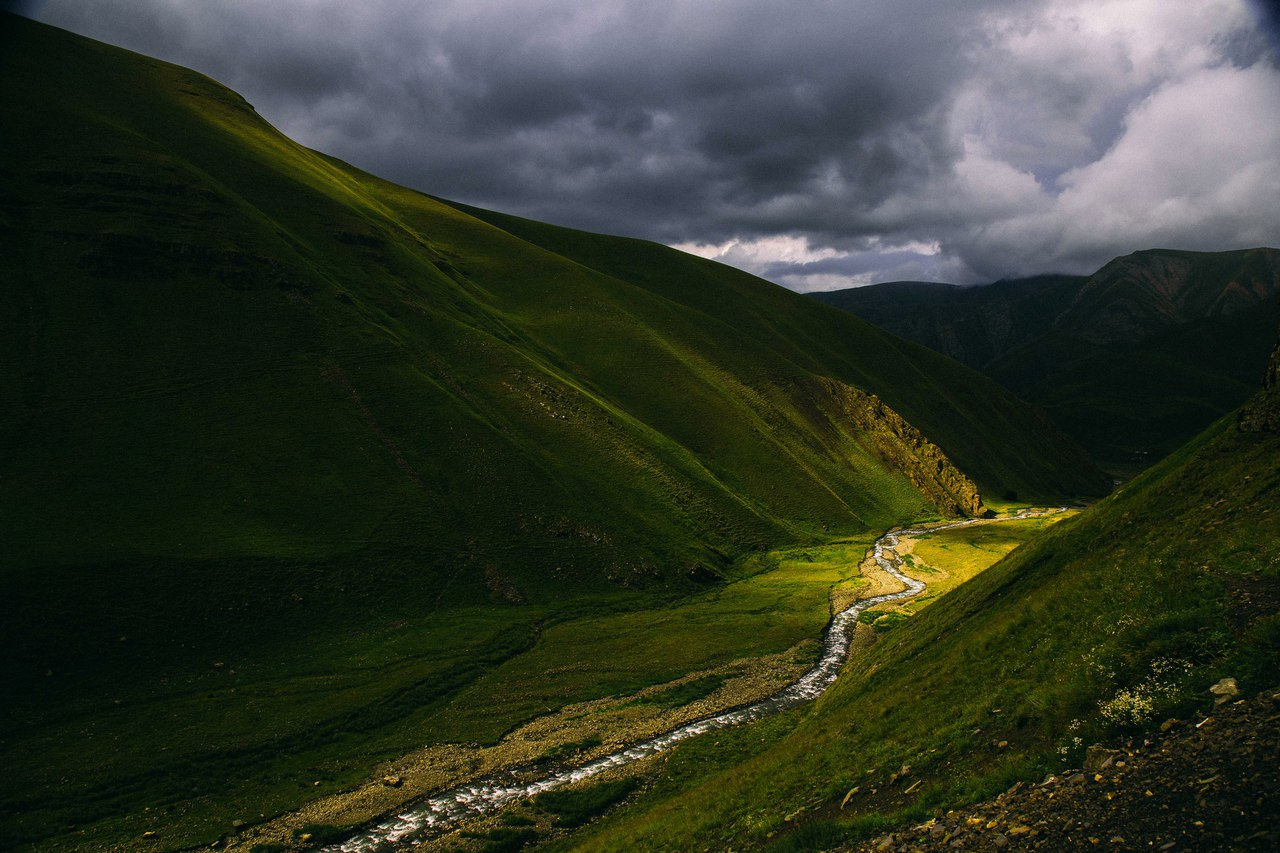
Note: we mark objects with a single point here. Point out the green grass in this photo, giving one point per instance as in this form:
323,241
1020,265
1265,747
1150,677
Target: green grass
569,750
504,839
575,806
1104,625
255,735
392,463
685,693
950,557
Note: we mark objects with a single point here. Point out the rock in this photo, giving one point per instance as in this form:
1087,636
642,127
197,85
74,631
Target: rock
847,797
1168,724
1075,778
885,843
392,781
999,840
237,824
1224,690
1099,758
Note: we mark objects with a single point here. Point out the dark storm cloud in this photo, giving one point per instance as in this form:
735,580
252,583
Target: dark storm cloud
817,141
1268,12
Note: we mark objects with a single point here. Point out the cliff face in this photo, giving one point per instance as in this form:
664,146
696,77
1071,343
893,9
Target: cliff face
1262,413
905,449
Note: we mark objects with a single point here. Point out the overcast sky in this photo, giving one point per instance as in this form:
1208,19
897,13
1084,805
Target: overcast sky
819,143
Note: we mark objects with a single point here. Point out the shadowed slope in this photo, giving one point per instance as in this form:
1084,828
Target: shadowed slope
292,454
1132,361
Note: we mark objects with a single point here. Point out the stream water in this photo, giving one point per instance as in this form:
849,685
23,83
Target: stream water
430,816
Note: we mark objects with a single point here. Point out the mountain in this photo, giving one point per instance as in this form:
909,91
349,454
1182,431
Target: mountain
1131,361
1107,627
293,458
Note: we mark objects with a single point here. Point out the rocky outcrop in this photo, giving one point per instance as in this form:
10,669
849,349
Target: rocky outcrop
905,449
1262,413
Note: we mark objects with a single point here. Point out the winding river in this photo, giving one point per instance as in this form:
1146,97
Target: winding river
484,796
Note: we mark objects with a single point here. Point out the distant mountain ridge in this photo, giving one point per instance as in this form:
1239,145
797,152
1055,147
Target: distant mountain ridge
1132,360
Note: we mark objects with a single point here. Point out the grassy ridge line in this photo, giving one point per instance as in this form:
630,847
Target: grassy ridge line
1108,623
919,384
397,333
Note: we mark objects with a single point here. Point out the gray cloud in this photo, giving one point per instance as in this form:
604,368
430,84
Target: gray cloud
819,143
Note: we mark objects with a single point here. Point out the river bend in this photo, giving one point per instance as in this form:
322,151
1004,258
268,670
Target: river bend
483,796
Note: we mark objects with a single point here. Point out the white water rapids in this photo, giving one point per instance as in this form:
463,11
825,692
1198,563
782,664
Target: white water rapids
490,794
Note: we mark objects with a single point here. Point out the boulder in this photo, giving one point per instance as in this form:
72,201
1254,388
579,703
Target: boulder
1099,757
1224,690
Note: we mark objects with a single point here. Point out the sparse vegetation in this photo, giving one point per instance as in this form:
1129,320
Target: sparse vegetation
683,694
568,750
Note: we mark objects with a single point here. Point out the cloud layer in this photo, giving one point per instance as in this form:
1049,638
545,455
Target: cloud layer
819,143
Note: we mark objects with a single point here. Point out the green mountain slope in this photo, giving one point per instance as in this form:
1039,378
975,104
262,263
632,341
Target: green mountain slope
1104,626
293,456
1132,361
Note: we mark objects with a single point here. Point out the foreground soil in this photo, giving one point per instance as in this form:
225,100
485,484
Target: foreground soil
1211,783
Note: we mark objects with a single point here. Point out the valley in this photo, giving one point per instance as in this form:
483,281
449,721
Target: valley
339,515
743,693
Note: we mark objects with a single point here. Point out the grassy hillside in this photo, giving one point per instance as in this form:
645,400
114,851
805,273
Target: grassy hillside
1108,624
293,458
1133,361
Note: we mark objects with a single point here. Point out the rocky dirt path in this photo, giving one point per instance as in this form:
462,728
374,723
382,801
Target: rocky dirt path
1211,783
